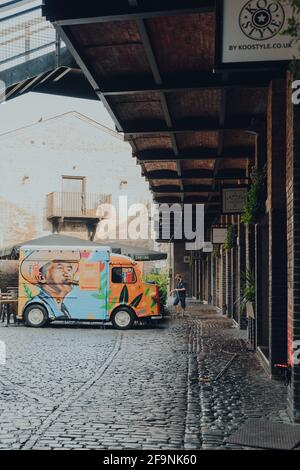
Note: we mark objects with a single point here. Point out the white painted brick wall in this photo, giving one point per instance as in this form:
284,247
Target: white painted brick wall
34,159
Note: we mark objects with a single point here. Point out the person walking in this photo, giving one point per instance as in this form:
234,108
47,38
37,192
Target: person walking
180,291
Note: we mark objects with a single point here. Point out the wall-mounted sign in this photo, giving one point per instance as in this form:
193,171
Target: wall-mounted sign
219,235
250,32
233,200
207,247
194,246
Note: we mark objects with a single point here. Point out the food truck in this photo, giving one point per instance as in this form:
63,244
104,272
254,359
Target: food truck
82,283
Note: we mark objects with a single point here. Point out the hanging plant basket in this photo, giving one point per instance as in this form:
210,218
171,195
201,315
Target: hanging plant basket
255,200
230,238
247,299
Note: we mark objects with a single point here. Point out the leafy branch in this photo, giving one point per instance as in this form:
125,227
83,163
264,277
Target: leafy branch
230,238
216,253
255,199
248,291
293,30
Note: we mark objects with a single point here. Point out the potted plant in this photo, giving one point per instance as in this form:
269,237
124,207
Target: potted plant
247,300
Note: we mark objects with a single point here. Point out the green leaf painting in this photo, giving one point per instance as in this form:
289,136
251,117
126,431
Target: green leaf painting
124,295
135,303
27,291
100,296
111,304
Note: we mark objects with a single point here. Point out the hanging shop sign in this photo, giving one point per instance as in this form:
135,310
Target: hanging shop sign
219,235
207,247
233,200
250,33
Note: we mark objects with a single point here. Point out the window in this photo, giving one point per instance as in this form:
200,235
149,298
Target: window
123,276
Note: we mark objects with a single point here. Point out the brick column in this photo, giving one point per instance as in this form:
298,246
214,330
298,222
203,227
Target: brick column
293,237
218,290
209,283
241,269
215,281
250,265
223,276
228,283
235,275
276,210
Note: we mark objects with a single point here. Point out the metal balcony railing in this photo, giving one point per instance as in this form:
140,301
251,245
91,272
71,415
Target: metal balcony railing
75,205
24,33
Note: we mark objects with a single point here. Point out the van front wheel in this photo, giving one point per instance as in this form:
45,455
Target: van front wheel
35,316
123,318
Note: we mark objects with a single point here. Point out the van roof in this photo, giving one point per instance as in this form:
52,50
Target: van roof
121,259
60,242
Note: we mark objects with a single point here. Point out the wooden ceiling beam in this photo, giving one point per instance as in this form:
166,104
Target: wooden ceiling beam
202,153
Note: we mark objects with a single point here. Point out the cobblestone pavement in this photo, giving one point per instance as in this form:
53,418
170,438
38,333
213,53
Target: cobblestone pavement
67,387
244,391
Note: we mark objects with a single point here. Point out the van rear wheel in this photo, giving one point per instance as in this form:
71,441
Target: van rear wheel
35,316
123,318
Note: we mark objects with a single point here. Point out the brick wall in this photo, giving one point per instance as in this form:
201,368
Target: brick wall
215,281
276,209
241,268
223,282
35,159
209,280
293,248
229,283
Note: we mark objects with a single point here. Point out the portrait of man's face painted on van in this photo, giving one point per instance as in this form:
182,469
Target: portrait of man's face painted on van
54,273
59,275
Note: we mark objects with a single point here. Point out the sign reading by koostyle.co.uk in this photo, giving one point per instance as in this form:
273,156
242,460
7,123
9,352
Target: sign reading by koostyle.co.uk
253,31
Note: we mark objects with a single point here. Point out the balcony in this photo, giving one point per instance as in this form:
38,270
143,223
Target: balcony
75,205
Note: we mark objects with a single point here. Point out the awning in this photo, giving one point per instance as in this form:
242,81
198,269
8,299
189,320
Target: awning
138,254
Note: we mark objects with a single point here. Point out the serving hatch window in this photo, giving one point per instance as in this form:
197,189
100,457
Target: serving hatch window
123,275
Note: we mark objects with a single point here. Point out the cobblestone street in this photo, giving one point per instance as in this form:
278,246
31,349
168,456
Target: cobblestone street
148,388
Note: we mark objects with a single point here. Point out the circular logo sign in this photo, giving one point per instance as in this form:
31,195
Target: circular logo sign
262,19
